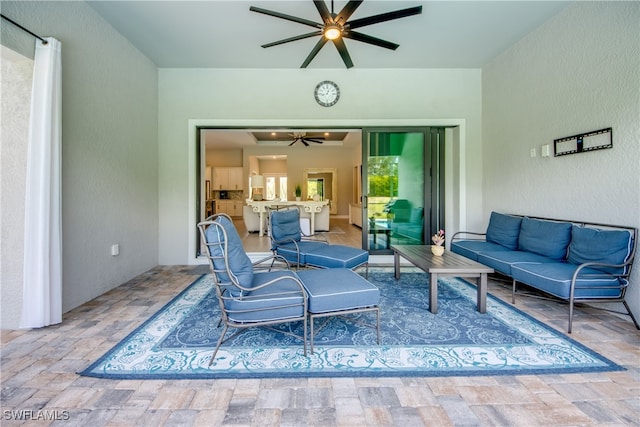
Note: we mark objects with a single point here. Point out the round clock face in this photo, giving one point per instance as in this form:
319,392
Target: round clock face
327,93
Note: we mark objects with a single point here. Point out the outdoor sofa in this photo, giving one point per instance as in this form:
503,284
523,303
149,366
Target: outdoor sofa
573,261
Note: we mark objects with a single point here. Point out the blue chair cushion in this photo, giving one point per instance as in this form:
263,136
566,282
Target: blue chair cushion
605,246
285,225
504,230
279,301
555,279
240,265
502,261
290,252
336,256
416,215
471,248
548,238
337,289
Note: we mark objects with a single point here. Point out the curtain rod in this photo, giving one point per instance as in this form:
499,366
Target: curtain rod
24,29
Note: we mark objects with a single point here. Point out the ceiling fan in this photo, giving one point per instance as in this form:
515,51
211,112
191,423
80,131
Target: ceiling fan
302,137
337,27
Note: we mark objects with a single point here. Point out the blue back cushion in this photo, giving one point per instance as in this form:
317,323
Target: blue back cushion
239,263
547,238
504,230
285,225
416,215
606,246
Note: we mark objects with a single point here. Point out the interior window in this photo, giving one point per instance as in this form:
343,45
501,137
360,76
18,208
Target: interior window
276,187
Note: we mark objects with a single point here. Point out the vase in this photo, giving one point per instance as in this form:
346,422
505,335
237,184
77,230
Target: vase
437,250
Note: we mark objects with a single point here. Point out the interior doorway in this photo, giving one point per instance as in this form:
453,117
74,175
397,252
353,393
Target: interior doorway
454,129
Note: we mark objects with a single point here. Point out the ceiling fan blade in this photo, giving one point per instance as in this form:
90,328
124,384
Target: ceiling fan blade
304,142
347,11
383,17
344,53
314,52
353,35
323,10
317,141
287,17
294,38
294,141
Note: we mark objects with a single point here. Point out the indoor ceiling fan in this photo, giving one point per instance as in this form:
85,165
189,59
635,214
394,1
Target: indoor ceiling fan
337,27
302,137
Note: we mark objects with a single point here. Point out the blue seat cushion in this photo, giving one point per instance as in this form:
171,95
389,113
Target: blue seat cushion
605,246
547,238
337,289
504,230
336,256
555,279
290,251
240,265
503,260
471,248
278,301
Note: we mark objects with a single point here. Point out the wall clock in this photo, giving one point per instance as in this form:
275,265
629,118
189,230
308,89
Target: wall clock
327,93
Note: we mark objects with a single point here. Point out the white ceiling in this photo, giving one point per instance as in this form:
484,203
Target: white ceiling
225,34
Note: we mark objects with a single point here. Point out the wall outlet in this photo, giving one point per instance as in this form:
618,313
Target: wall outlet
532,152
115,250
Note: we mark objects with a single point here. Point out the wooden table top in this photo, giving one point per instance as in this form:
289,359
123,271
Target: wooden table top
449,262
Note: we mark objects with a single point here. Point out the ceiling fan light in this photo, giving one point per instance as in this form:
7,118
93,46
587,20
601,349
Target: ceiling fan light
332,32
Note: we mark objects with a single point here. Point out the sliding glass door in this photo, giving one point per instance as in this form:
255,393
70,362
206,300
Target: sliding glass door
403,184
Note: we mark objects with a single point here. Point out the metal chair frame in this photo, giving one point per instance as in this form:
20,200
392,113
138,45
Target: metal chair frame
224,294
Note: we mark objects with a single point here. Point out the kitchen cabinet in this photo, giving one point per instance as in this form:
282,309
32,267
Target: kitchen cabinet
227,178
233,208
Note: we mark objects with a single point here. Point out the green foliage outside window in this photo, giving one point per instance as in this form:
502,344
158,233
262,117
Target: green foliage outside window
383,183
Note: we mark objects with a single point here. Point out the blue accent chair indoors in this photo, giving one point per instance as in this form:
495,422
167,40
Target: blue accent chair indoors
288,241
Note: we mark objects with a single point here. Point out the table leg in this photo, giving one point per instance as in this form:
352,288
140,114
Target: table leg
261,224
433,293
312,214
482,293
396,265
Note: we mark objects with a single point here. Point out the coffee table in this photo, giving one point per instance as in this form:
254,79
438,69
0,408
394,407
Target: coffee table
447,265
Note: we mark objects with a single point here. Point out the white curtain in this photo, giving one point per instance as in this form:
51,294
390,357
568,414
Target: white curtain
42,287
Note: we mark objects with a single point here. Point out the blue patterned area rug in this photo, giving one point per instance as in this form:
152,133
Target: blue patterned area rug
177,342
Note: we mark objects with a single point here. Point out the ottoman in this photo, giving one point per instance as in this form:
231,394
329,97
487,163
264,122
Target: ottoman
338,291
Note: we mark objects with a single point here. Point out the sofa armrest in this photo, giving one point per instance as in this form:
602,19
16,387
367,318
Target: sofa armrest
462,235
601,273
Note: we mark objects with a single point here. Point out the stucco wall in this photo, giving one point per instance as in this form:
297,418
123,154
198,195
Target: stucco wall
579,72
285,97
16,77
109,147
